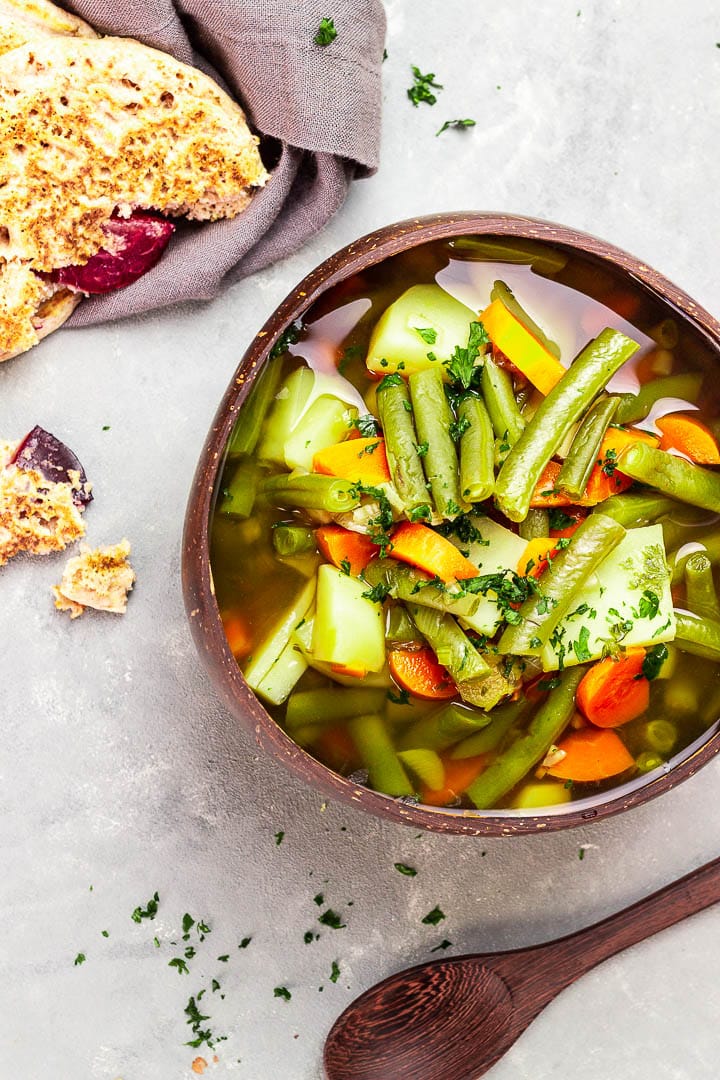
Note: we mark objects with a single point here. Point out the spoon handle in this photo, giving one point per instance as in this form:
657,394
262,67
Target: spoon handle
577,953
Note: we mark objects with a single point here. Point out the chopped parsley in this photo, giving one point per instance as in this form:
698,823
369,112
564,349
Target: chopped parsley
422,88
196,1019
649,605
370,448
427,334
79,959
455,124
282,992
401,698
345,568
287,338
334,972
179,963
308,937
377,593
609,463
464,529
332,919
459,427
434,917
377,527
461,364
559,520
367,425
106,427
581,853
187,924
326,33
444,944
421,513
349,354
452,508
661,629
319,899
224,958
422,448
389,380
279,837
580,647
244,943
403,868
653,662
149,912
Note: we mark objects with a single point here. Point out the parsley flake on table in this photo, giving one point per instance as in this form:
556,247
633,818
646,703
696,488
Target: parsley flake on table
105,933
326,33
179,963
422,88
319,899
149,912
402,868
244,943
279,837
434,917
444,944
334,972
282,992
79,959
455,124
332,919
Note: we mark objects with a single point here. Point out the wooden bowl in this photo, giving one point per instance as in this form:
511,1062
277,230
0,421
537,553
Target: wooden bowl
198,588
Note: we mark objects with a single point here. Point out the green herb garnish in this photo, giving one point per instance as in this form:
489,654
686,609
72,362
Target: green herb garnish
422,88
332,919
149,912
433,917
402,868
282,992
326,33
455,124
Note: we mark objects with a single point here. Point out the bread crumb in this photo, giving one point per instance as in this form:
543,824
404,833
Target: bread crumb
199,1065
37,515
99,578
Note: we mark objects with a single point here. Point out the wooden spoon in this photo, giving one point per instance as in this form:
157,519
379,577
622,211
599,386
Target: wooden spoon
453,1019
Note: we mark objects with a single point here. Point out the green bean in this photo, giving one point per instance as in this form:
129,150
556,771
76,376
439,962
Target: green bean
673,476
536,524
311,490
555,416
700,594
497,389
710,546
292,539
406,583
253,410
237,497
501,291
477,450
432,424
698,635
395,411
399,628
578,465
443,728
501,722
634,407
561,583
377,754
637,508
450,643
647,761
542,259
544,729
325,706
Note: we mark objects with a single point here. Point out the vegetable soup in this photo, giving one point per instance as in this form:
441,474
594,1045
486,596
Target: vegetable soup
465,542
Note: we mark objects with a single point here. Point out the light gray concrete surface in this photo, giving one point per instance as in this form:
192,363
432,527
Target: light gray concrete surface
121,773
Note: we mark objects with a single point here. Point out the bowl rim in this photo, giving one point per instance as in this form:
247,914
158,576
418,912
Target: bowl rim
197,582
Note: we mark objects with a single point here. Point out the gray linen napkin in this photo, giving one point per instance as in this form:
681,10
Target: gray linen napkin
321,103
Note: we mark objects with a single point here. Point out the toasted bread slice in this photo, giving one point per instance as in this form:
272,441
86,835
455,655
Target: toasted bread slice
99,578
22,21
92,127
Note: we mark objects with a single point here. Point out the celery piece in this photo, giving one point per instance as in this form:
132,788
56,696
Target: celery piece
326,422
424,320
237,496
289,405
282,676
425,765
374,745
348,627
540,794
269,650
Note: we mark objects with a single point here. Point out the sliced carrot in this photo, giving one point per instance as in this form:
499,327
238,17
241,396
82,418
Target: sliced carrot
614,691
522,348
591,755
418,672
336,748
362,460
459,775
535,557
344,548
605,480
419,545
689,436
577,517
237,633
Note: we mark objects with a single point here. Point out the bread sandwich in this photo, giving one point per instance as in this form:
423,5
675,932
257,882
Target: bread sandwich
102,142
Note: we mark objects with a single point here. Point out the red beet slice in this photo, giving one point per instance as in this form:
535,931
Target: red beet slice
137,243
42,451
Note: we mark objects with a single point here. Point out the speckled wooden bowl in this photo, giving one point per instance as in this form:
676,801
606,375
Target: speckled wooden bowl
197,577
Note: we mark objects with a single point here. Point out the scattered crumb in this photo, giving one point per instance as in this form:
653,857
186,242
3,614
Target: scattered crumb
98,578
37,515
199,1065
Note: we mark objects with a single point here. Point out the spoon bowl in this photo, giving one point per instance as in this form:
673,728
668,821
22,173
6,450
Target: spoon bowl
453,1019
